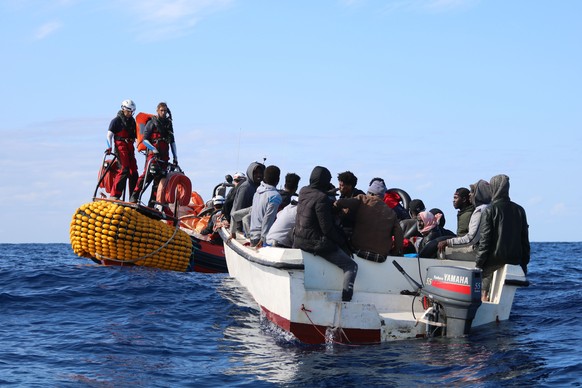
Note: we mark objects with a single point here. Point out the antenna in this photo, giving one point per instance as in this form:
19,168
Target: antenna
238,150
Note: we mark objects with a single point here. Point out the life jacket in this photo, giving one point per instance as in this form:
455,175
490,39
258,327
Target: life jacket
196,202
128,128
141,120
163,130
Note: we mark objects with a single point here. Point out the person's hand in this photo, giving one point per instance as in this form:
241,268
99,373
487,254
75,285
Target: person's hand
175,161
108,150
443,245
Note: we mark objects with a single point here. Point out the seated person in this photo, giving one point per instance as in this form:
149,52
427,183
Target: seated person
480,197
428,226
265,206
442,221
377,232
462,203
210,229
393,200
409,226
281,233
290,189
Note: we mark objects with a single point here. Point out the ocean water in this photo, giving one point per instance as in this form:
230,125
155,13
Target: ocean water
66,322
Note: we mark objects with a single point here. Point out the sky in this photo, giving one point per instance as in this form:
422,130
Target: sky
430,95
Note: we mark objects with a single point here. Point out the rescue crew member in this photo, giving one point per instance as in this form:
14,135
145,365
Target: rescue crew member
158,137
120,138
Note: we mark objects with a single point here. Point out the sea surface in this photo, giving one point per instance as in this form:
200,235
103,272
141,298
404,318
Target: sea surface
66,322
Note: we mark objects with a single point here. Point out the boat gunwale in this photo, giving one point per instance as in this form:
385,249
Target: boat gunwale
252,258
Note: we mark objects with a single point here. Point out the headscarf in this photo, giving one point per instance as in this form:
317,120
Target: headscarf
430,221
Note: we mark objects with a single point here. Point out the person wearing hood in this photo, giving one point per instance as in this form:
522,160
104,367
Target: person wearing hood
428,226
377,232
504,234
266,202
243,198
479,196
316,231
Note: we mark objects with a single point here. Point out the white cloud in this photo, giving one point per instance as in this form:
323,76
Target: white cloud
558,209
171,18
47,29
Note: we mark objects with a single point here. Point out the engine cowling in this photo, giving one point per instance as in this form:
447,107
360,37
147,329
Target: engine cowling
458,291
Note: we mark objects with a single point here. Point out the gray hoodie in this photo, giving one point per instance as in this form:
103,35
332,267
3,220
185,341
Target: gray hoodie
481,199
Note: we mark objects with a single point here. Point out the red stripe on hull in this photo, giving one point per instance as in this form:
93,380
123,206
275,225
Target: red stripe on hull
458,288
315,334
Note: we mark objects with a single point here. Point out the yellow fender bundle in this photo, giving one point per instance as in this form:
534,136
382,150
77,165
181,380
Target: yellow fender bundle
110,232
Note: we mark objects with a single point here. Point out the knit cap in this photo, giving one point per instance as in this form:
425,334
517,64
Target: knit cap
377,188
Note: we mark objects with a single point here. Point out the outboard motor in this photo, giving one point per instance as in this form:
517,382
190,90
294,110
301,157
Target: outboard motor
458,291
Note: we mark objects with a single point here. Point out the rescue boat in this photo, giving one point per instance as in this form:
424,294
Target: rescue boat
115,232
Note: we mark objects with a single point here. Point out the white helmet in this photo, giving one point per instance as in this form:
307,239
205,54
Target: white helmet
218,200
128,105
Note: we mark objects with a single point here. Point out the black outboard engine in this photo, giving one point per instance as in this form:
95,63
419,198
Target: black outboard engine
458,291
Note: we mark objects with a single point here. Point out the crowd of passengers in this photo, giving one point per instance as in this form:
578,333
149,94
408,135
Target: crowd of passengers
338,222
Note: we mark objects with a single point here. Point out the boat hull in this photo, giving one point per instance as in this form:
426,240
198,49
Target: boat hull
301,293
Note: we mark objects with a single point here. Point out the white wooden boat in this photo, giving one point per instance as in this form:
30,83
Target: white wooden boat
301,293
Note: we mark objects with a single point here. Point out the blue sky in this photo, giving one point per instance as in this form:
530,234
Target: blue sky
431,95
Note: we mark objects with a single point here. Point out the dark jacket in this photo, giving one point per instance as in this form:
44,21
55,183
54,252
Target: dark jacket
409,228
504,230
246,190
428,247
376,225
315,229
229,201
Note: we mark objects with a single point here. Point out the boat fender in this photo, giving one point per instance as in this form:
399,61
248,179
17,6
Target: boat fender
403,196
174,186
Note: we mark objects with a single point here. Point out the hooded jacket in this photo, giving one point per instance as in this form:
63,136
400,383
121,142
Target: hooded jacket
264,209
481,199
504,230
246,190
315,229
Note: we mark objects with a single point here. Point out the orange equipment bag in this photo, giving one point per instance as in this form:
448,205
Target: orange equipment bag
141,120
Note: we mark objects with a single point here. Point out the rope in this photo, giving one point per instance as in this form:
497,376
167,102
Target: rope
306,310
